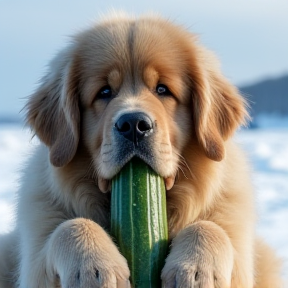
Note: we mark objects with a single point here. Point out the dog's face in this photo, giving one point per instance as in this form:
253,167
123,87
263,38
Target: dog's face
130,88
138,116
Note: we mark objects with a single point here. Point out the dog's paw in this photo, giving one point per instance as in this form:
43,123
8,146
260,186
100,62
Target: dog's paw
201,256
83,255
187,275
192,275
90,275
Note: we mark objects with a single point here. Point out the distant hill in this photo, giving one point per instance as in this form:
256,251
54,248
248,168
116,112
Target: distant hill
13,119
268,96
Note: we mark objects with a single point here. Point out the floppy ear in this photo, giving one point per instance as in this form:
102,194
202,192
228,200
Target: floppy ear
218,109
53,111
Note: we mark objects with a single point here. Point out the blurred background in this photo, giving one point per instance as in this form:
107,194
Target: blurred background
249,37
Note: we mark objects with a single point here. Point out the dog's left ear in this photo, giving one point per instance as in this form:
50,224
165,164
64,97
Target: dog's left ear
53,111
218,108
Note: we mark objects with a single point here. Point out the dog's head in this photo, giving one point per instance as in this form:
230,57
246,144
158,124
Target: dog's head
128,88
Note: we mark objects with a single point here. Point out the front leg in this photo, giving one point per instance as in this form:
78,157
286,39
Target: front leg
81,254
78,253
201,256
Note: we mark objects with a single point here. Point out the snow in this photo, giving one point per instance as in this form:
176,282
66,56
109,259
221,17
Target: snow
15,146
267,148
268,152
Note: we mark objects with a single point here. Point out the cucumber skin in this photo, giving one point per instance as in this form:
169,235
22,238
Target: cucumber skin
139,222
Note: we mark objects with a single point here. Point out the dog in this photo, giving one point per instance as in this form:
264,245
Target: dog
135,87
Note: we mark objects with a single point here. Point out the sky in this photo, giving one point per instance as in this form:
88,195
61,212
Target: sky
249,36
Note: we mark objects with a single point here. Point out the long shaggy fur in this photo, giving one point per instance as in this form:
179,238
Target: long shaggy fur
61,238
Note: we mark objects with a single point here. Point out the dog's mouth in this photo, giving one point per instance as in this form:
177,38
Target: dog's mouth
124,152
105,184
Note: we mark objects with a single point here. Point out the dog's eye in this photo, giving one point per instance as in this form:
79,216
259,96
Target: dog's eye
163,90
105,92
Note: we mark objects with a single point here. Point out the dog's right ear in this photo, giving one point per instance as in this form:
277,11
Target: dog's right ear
53,111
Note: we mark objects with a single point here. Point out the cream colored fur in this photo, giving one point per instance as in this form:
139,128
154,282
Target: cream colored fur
61,237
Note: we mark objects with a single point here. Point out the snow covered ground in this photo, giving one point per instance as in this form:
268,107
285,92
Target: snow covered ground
268,152
267,148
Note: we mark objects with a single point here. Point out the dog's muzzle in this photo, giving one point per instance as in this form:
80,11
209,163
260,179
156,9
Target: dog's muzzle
134,136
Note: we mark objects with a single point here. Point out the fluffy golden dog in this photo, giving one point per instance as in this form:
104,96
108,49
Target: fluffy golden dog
146,88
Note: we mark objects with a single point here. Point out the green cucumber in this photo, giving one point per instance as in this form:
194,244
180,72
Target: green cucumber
139,222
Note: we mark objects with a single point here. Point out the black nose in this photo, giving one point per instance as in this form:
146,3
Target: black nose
134,126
